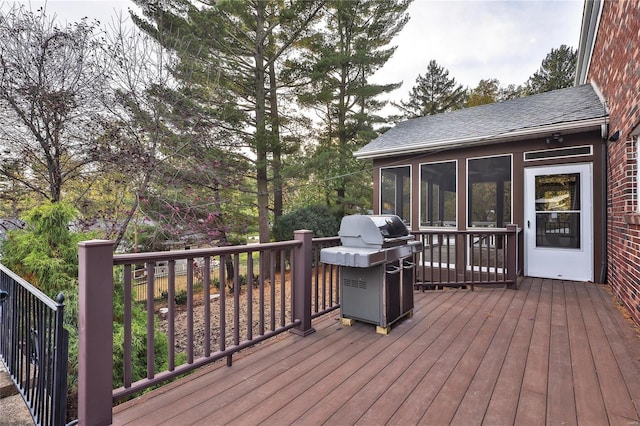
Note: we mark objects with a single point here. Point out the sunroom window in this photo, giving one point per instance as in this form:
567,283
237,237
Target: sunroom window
395,192
438,194
489,192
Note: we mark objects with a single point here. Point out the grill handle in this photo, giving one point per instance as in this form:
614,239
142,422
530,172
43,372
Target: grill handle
393,270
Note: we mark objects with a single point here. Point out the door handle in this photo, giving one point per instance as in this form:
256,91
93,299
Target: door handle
528,224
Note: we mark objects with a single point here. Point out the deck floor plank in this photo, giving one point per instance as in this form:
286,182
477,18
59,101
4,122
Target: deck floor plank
588,396
271,379
503,404
533,394
446,355
560,396
444,406
620,408
157,404
335,400
475,401
623,340
298,408
338,371
412,362
550,352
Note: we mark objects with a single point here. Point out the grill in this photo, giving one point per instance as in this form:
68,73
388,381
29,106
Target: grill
377,269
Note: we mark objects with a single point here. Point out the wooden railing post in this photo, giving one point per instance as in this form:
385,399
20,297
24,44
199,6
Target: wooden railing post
302,283
512,254
460,274
95,332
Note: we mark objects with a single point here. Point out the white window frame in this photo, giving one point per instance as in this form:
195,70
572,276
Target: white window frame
466,213
420,201
557,150
406,220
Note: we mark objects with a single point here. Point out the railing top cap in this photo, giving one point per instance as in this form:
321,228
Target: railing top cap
93,243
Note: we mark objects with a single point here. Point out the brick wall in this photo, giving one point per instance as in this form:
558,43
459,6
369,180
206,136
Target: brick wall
615,68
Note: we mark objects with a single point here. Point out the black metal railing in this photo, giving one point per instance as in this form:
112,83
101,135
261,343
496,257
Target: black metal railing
34,347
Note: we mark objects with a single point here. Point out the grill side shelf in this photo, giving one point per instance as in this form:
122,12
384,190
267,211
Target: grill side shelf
352,256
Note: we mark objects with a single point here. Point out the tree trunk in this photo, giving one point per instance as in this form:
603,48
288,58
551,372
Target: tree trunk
224,240
276,143
261,135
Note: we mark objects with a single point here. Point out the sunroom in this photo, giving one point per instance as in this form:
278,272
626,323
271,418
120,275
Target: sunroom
463,178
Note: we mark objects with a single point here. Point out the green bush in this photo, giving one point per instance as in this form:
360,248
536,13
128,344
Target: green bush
181,297
45,253
216,283
319,219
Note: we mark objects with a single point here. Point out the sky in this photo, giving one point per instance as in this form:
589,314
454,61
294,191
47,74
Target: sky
473,40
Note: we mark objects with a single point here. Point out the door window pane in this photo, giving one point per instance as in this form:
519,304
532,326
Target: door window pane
489,192
438,194
395,192
558,210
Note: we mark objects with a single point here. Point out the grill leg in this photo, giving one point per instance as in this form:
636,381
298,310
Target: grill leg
383,330
347,322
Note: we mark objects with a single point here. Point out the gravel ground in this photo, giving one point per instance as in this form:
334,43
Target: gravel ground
13,410
273,312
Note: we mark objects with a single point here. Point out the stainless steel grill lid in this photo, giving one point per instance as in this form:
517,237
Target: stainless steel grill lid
370,240
372,231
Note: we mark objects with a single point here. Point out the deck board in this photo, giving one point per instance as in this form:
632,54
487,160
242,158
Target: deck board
560,398
550,352
476,399
587,393
446,403
533,393
417,387
433,382
346,380
503,404
620,338
620,408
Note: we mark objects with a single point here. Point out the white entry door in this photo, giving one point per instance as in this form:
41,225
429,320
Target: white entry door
558,228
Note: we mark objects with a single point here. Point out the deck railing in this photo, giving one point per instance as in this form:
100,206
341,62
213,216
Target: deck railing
467,258
34,347
235,297
283,287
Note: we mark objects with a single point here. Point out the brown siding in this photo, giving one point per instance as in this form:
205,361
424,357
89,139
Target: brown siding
615,69
517,149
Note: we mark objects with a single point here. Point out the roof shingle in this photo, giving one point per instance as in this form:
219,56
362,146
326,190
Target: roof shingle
495,122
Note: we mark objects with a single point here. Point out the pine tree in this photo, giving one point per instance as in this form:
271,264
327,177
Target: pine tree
243,44
433,93
349,46
486,92
557,71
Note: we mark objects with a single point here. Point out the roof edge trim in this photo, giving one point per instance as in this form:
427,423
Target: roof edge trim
588,35
586,125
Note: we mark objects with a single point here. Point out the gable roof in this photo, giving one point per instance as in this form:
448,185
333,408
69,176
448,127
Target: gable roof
570,110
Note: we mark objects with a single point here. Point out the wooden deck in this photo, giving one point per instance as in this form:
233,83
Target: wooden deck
551,352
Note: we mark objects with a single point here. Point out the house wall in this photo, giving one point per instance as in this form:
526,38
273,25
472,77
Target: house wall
517,150
615,69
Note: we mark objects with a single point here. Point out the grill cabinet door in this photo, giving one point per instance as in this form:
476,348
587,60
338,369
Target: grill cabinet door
393,275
